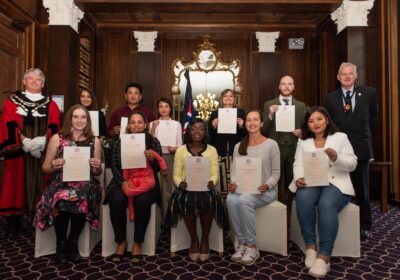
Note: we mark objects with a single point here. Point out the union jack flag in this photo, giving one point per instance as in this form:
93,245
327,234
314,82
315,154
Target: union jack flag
189,112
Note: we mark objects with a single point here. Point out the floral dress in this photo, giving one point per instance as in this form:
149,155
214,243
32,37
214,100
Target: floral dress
73,197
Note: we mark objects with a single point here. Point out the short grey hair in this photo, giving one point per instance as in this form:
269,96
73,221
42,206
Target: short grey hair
37,71
347,64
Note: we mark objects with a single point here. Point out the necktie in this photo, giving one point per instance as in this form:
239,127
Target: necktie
347,102
286,101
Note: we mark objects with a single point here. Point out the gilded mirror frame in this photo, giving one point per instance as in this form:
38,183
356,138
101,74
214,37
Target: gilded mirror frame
207,59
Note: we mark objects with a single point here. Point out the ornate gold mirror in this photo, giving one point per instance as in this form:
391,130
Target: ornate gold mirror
209,76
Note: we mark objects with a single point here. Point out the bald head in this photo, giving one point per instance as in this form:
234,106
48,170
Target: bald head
286,86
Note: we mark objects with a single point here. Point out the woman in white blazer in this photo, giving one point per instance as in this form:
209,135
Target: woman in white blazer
320,133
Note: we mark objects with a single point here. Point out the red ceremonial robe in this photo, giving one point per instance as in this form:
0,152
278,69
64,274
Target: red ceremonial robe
12,192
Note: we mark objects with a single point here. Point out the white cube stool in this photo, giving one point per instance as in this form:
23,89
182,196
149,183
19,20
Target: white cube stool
271,228
347,242
180,238
45,241
149,245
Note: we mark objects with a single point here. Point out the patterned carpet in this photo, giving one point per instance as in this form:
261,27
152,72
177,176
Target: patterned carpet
380,260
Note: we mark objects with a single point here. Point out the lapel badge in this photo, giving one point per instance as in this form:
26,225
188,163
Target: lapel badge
359,94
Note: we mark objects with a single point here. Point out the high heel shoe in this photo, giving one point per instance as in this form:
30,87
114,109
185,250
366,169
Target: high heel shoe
194,256
204,257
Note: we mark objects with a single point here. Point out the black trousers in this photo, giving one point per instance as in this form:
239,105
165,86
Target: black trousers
360,180
287,153
61,225
142,204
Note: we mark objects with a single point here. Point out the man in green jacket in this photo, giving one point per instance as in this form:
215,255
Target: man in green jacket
287,141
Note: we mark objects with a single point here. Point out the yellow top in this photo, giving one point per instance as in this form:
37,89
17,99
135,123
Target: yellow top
179,163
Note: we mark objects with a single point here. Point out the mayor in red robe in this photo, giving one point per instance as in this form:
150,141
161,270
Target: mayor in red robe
27,121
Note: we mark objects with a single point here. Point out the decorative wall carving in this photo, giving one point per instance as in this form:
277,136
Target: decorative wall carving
145,40
352,13
266,41
63,12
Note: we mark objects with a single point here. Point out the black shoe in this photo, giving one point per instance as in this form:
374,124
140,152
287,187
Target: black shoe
13,226
61,251
73,252
364,234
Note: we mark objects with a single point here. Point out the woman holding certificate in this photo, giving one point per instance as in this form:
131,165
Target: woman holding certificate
226,126
169,133
255,175
74,193
134,153
86,98
324,158
195,174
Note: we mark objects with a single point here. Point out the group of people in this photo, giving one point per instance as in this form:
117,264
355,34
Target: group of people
30,128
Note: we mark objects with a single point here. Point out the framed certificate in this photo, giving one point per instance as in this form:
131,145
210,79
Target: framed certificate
76,166
132,151
248,174
198,173
227,119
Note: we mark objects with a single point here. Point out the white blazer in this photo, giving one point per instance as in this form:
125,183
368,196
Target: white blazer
338,172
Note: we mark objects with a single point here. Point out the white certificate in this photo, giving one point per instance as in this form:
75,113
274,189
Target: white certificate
248,174
198,173
94,117
316,168
227,119
123,125
166,133
76,166
132,151
284,118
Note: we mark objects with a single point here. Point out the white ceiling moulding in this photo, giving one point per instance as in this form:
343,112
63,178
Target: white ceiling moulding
63,12
266,41
145,40
352,13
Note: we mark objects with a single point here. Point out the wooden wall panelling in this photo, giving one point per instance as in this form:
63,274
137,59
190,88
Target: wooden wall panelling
270,72
146,77
118,63
12,53
115,67
62,75
393,34
327,40
41,51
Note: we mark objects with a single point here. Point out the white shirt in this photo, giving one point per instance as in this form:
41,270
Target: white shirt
285,97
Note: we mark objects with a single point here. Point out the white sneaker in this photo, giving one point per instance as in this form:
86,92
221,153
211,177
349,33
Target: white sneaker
319,269
240,250
250,256
311,257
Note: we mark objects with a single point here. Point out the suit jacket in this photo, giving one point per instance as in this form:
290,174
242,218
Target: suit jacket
283,138
359,123
338,171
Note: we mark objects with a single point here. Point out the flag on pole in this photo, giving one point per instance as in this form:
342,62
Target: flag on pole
188,110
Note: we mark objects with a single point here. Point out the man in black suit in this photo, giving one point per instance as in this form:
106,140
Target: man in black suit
354,109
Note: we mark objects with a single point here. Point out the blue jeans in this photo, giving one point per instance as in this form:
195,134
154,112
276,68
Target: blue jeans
329,201
241,209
